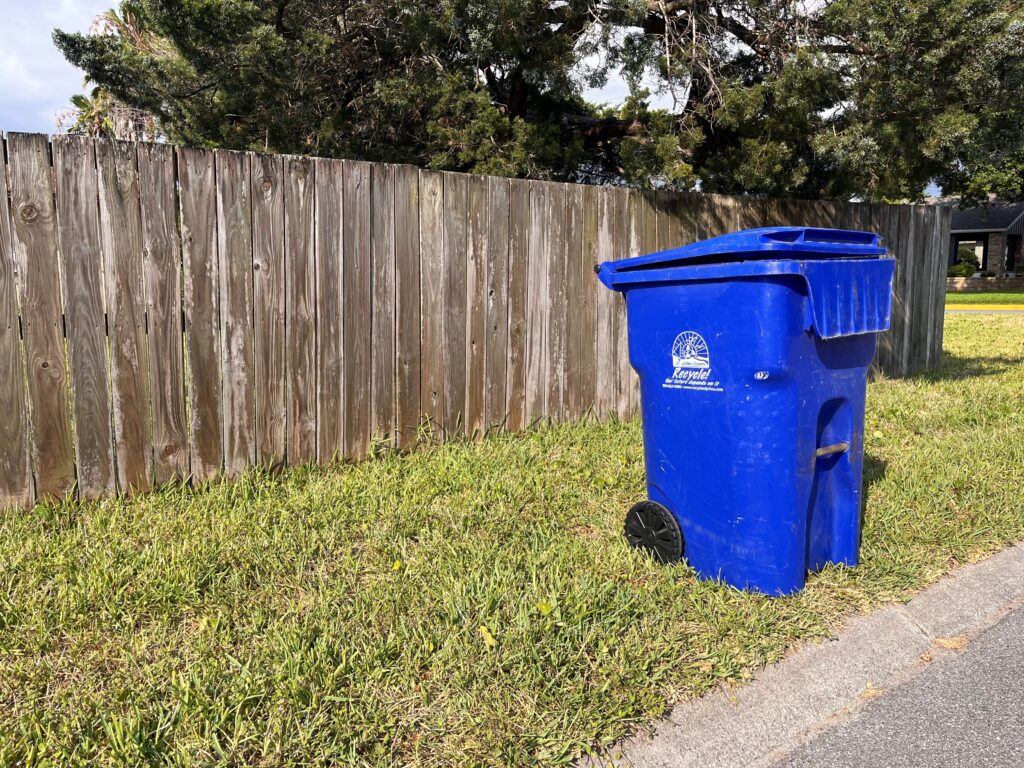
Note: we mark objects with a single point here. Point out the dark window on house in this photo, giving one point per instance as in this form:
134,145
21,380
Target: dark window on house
977,246
1013,255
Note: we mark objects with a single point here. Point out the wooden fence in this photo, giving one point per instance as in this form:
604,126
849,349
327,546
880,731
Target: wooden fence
168,312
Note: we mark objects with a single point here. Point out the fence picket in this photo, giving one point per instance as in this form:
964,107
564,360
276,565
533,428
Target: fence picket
518,303
356,308
432,305
16,488
162,272
382,322
234,233
300,310
201,278
329,350
476,307
496,302
78,238
408,316
269,292
121,231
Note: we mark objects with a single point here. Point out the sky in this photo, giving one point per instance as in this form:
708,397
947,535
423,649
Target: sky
35,81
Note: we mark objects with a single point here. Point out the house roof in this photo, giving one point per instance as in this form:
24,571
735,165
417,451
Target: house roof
993,217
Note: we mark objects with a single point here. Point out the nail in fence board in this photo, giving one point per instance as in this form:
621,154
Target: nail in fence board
34,236
356,308
382,323
234,232
16,488
162,271
407,304
456,241
432,289
300,310
121,234
269,292
518,303
497,305
476,306
329,350
201,292
78,237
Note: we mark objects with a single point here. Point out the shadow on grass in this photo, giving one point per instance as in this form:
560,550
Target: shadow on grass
954,367
873,472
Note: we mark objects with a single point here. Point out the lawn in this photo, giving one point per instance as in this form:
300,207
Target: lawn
466,605
1016,297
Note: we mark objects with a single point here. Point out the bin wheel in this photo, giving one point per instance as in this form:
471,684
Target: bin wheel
651,527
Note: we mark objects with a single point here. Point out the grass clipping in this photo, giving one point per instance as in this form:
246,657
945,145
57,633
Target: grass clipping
467,605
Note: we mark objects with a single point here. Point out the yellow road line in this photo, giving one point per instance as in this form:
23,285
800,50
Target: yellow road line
986,306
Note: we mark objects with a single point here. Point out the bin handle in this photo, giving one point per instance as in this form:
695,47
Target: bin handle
829,450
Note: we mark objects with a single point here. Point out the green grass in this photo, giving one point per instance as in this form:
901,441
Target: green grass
1015,297
467,605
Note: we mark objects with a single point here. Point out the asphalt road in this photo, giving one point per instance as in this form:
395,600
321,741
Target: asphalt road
965,710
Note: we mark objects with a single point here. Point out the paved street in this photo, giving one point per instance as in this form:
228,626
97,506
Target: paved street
964,710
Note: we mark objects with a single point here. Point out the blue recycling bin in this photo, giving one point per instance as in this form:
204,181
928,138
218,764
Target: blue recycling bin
752,351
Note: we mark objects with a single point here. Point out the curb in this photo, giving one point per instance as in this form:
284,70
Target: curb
790,701
1014,308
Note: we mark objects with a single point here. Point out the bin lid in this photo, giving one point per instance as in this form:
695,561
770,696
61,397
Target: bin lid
763,243
849,286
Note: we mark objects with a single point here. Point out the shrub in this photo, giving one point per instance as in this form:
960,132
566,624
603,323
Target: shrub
966,264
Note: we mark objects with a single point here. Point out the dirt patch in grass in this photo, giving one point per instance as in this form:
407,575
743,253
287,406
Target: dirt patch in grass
468,605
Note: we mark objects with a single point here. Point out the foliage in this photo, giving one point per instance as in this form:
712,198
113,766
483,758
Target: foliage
471,604
966,263
832,99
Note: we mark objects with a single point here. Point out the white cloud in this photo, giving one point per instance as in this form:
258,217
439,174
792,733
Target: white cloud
36,82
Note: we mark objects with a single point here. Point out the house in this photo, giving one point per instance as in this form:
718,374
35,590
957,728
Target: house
993,232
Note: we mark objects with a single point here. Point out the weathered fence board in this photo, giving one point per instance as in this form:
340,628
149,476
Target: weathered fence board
496,309
518,302
301,311
356,309
201,278
382,323
432,306
34,234
269,292
121,228
162,270
407,305
537,309
78,239
453,359
476,307
329,350
16,488
234,245
169,313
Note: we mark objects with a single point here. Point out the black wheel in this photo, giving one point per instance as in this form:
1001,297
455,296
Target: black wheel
651,527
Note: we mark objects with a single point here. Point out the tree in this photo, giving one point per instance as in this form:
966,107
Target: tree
935,91
825,99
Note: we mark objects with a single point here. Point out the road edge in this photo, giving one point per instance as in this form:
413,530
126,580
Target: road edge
790,701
